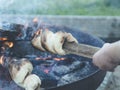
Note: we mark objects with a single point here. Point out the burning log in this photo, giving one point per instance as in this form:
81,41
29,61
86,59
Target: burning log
20,71
8,35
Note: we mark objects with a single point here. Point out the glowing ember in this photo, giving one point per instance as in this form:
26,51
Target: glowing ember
46,71
49,58
59,59
38,32
38,58
1,59
9,44
3,39
43,58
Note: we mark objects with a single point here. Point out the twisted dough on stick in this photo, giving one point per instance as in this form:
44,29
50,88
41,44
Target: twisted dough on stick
20,71
36,41
52,42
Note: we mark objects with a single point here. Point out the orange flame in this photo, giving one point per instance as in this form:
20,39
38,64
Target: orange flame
9,44
1,59
37,58
38,32
59,59
46,71
3,39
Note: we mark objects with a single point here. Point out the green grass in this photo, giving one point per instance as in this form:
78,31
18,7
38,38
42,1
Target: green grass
82,11
75,7
61,7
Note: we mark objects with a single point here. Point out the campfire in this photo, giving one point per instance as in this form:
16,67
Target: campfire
47,70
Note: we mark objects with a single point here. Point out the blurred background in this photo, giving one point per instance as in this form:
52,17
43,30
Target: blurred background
61,7
97,17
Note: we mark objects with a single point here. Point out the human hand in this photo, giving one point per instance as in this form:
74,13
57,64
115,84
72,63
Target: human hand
107,58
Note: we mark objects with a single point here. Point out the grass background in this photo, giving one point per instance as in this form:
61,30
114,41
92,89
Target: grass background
61,7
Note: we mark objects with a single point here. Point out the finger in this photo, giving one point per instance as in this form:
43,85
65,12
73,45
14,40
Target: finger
101,57
104,62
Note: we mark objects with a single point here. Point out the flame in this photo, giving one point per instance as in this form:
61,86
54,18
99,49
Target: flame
3,39
46,71
35,20
37,58
59,59
43,58
38,32
9,44
1,59
49,58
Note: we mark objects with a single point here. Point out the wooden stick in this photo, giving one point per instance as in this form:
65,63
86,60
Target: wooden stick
80,49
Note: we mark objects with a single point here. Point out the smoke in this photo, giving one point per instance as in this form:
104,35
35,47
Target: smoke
22,6
40,6
5,3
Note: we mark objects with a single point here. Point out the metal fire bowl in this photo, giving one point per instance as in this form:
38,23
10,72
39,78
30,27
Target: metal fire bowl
91,81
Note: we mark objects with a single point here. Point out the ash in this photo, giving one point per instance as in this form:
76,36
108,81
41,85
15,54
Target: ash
72,70
6,82
59,73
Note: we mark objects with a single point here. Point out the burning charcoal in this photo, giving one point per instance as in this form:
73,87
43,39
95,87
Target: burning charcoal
9,30
54,71
29,33
22,48
10,26
65,67
37,62
46,79
77,75
16,31
6,85
7,35
4,74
